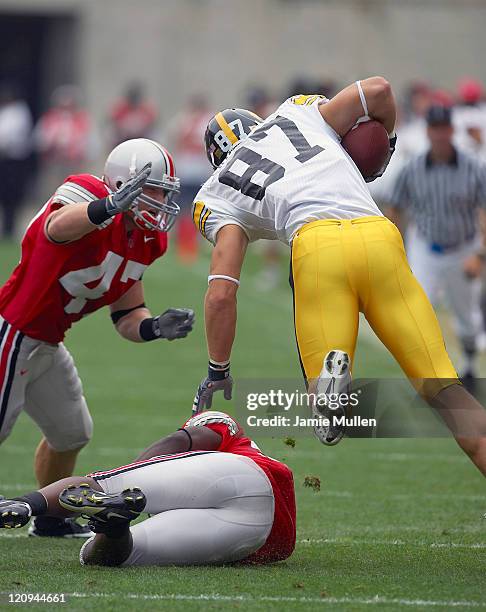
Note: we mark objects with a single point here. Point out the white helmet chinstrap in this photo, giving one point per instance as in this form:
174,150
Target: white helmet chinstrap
125,161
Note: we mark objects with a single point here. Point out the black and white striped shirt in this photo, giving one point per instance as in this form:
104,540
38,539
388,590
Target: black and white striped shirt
442,200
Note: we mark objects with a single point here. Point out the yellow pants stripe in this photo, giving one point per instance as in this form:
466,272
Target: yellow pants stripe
342,267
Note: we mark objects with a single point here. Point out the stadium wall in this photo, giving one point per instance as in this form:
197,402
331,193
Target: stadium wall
221,46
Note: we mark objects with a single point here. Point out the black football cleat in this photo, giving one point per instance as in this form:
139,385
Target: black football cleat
335,378
52,527
104,509
14,514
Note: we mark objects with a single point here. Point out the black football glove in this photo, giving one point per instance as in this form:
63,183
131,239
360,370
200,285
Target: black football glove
373,177
121,200
174,323
218,379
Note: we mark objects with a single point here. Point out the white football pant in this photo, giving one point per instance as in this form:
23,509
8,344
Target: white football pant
42,379
208,507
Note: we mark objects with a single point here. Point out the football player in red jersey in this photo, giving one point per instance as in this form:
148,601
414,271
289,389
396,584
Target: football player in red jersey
86,248
213,495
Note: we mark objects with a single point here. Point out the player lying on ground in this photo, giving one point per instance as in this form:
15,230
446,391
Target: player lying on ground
213,496
88,247
289,178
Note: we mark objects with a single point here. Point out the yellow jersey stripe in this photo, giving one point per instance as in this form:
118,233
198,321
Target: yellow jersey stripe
203,222
223,124
306,99
196,216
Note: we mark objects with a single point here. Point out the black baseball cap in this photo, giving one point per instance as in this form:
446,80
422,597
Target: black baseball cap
439,115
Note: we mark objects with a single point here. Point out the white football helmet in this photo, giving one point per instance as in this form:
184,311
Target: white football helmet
125,161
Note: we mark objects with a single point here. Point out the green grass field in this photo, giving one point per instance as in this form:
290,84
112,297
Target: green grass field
397,524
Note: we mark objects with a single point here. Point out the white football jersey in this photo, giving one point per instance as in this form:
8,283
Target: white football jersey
289,171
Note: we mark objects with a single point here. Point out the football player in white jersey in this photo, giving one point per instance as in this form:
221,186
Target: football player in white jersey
288,178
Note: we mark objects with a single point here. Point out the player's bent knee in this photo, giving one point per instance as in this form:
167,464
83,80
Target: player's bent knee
430,388
75,439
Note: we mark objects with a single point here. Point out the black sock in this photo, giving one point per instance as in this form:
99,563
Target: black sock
48,522
36,501
117,530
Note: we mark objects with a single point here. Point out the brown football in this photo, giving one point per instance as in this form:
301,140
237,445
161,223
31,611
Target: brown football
368,145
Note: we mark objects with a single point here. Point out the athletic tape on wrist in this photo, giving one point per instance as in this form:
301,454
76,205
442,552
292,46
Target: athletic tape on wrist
223,277
219,372
219,364
362,98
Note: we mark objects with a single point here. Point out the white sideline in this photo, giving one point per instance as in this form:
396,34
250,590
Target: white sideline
377,600
404,496
347,542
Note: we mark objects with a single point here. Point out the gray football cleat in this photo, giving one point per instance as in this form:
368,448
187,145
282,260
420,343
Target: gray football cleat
335,378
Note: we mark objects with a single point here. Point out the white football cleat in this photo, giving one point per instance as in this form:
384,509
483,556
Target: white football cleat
335,378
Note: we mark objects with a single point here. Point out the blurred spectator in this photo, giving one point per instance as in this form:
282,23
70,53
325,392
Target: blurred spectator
413,131
327,87
412,137
64,138
133,116
442,97
259,101
15,149
470,117
307,85
185,136
443,191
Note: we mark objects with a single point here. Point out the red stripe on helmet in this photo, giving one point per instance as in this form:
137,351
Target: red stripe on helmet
171,162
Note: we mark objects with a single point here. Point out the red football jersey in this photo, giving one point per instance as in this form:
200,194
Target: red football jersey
281,541
55,285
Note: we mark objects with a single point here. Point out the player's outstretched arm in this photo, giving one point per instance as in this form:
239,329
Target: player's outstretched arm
220,312
182,441
134,322
75,221
343,111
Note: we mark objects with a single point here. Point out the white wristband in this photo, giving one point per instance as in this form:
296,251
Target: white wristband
223,277
362,98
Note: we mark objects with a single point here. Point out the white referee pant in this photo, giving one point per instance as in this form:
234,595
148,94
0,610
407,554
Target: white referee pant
42,379
209,507
442,275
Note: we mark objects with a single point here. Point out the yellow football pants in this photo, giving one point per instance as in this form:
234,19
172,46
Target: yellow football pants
342,267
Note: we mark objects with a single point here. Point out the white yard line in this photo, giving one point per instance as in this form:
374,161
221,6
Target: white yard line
381,456
405,496
17,449
343,541
349,542
442,457
377,600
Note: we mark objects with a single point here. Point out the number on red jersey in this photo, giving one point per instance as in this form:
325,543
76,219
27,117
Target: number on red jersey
76,282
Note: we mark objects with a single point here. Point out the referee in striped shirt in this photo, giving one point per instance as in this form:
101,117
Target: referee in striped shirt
443,195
